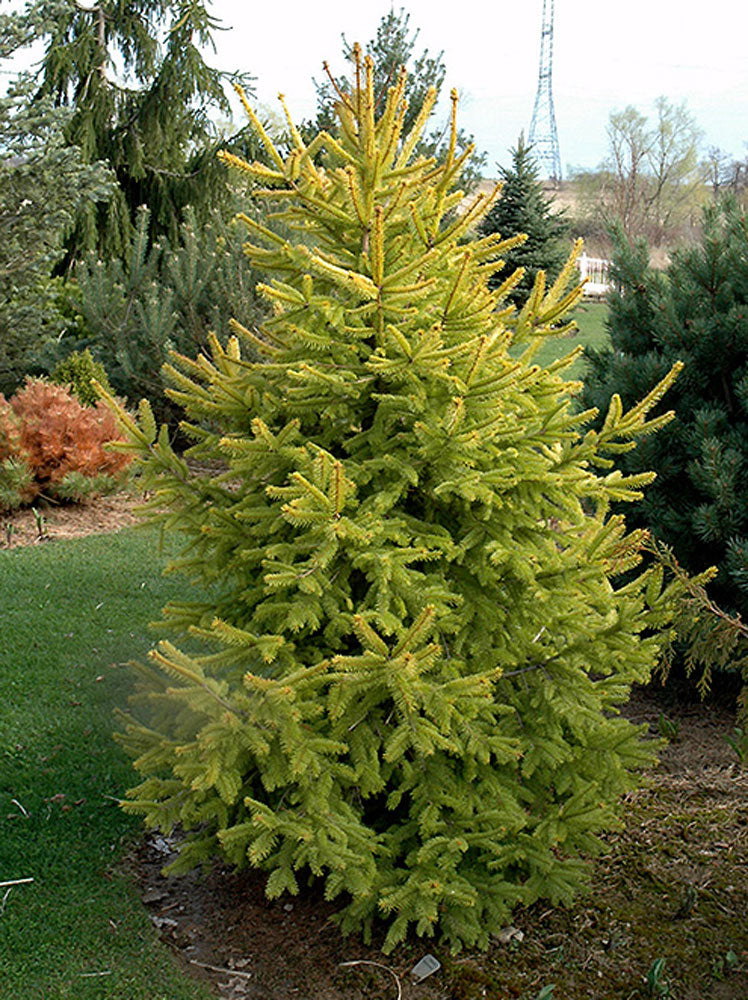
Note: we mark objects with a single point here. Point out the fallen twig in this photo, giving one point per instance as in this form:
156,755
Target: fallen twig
106,972
221,968
17,803
366,961
15,881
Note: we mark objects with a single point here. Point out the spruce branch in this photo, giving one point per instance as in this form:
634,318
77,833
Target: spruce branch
715,639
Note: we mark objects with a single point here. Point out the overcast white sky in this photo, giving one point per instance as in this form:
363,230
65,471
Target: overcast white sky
607,55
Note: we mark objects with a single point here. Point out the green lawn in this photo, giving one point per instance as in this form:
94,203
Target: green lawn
590,318
72,613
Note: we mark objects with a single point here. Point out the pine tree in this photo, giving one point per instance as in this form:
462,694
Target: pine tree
140,94
414,641
164,297
696,312
524,207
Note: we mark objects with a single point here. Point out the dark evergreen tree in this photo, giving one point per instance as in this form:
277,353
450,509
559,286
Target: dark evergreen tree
392,48
416,639
695,312
524,207
141,95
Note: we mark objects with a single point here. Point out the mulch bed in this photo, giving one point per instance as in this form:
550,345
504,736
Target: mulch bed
58,521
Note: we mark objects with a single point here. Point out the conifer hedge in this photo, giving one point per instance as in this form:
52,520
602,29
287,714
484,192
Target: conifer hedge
415,641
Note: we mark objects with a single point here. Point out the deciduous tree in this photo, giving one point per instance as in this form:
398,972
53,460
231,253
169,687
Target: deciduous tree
652,179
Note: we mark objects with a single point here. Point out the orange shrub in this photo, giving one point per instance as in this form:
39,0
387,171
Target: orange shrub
10,430
45,429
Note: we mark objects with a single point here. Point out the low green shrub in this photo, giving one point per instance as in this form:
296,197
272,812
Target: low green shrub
76,372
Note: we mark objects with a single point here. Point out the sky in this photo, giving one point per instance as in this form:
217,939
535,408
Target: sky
606,56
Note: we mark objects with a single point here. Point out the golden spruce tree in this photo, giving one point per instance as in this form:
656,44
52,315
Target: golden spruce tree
413,637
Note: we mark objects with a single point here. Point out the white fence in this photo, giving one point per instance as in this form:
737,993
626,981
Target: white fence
597,272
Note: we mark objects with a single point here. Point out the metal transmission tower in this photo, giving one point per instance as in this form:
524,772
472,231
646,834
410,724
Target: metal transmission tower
543,133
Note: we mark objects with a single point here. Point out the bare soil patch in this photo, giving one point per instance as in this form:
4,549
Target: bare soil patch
57,521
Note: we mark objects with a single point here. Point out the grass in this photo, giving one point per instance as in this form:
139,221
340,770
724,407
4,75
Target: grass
72,613
590,318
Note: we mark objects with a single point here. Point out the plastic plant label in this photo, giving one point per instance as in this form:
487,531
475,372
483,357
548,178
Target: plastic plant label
510,934
425,967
